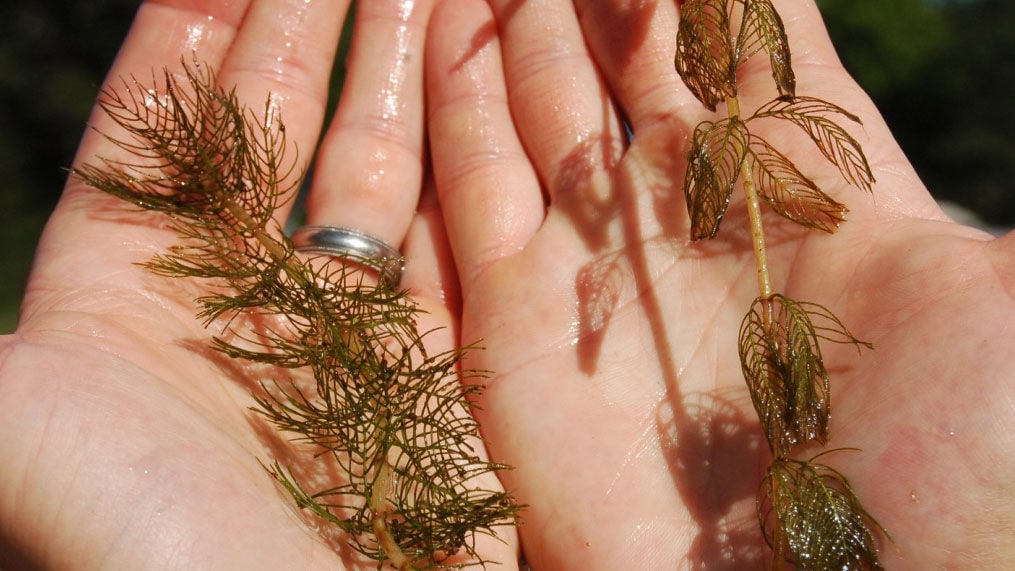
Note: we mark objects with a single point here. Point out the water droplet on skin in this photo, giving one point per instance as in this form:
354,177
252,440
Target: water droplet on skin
195,33
405,10
913,498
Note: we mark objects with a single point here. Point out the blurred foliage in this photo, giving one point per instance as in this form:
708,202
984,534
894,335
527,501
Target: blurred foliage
940,72
938,69
53,57
886,44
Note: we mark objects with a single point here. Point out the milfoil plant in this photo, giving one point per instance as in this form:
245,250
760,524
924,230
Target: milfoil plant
350,373
809,514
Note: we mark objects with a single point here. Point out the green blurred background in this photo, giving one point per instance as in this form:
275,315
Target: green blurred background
940,70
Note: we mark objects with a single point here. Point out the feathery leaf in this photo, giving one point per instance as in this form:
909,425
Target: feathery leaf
812,510
717,152
762,28
834,142
704,57
789,192
781,359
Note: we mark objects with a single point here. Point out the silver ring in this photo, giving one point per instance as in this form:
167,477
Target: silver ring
352,245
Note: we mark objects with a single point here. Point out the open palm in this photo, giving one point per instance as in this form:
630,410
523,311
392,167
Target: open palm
618,394
127,443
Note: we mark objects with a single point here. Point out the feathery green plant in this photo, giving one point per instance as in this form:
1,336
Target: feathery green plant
392,418
808,511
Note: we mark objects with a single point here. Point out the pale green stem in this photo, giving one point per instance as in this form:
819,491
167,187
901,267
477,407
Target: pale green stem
378,503
764,288
382,482
754,214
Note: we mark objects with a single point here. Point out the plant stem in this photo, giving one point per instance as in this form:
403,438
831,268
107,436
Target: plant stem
382,483
378,505
385,540
272,245
754,214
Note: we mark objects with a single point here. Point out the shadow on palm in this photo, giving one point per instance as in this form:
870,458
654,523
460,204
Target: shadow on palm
705,425
711,443
658,315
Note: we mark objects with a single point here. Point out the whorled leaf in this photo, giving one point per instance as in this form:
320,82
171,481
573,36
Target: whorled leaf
409,451
762,28
812,517
704,57
392,419
717,152
780,355
193,151
789,192
834,142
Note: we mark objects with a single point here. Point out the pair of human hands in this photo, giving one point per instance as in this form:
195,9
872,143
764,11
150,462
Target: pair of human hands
545,232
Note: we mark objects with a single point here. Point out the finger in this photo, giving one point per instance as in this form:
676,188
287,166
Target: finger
633,45
370,165
429,267
283,54
223,35
267,50
562,108
898,191
162,34
489,192
430,276
97,249
815,62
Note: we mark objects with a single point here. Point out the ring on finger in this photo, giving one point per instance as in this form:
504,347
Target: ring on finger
355,246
